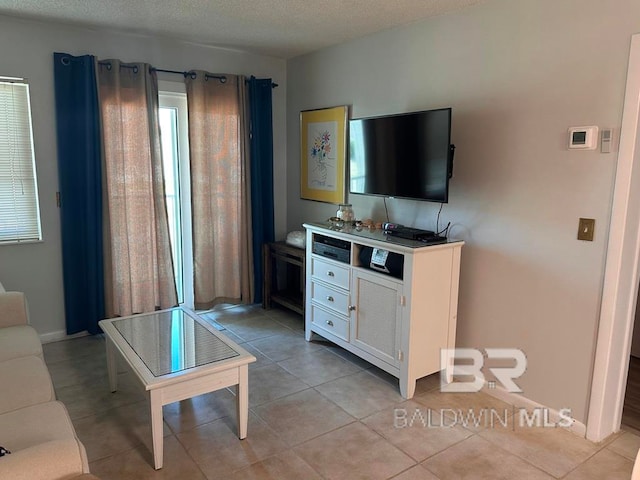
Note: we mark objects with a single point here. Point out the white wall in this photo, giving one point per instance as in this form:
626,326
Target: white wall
517,75
26,50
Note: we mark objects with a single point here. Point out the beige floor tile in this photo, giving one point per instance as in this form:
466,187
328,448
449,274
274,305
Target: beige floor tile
271,382
436,399
284,466
603,465
285,345
361,394
557,451
416,473
385,376
65,373
342,353
234,338
406,425
256,327
228,314
138,464
74,349
354,452
478,459
289,319
93,398
302,416
216,449
261,358
319,367
428,384
190,413
116,431
626,445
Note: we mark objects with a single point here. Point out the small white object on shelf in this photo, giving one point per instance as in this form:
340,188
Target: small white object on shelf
296,239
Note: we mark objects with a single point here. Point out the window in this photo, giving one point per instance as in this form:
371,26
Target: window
19,214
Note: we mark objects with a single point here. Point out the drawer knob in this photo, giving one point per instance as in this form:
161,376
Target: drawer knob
352,308
330,274
329,298
330,323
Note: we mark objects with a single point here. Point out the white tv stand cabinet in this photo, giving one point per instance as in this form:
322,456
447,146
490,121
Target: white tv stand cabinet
397,324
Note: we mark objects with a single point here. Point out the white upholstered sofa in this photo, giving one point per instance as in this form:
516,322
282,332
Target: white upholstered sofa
34,426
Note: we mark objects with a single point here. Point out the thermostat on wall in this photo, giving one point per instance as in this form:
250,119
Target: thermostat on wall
584,138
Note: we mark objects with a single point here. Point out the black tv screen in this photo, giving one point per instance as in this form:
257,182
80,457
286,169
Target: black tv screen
407,155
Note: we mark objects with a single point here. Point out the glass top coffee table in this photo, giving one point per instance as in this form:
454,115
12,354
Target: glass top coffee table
176,355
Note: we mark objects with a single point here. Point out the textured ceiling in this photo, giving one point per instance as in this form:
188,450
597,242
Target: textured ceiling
281,28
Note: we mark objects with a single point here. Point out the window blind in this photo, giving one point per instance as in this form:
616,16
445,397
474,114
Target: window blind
19,213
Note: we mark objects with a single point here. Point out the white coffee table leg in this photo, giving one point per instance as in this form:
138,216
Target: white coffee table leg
155,403
242,400
112,365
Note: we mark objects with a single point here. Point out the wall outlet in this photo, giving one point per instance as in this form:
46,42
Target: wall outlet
586,227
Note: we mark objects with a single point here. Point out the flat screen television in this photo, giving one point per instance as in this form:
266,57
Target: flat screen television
406,155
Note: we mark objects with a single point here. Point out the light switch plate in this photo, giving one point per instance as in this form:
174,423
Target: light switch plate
605,140
586,227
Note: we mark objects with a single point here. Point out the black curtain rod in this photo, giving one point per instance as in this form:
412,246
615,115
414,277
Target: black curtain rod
191,74
185,74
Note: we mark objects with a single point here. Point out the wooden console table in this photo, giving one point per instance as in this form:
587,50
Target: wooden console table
293,296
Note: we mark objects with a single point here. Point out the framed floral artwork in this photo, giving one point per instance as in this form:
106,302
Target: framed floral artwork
323,141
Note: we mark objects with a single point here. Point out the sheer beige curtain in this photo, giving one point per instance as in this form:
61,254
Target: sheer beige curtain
137,251
218,151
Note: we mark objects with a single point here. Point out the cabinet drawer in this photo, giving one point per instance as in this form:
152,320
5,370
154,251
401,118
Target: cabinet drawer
330,298
330,322
330,273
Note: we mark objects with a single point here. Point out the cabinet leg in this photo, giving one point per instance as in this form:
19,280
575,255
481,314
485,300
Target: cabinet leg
407,388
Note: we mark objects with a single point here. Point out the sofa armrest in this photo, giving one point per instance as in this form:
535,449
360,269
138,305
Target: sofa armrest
13,309
56,459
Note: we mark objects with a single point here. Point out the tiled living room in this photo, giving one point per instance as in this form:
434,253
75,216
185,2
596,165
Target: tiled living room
163,146
340,421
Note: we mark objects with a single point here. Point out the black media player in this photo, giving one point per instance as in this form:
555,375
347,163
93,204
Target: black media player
333,248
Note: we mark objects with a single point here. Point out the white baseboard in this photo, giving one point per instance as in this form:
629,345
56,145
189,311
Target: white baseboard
60,335
519,401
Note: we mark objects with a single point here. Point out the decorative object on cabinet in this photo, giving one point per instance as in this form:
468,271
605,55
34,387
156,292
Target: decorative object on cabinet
391,301
323,141
296,239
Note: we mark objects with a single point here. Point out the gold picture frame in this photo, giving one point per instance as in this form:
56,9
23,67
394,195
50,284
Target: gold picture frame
323,151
